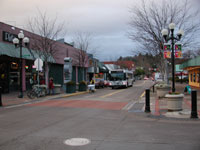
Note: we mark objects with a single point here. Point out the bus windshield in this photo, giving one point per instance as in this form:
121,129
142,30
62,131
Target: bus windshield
117,76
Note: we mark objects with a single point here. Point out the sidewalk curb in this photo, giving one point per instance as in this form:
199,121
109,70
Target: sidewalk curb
44,99
73,94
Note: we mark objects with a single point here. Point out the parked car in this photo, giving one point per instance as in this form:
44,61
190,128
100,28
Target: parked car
106,83
99,83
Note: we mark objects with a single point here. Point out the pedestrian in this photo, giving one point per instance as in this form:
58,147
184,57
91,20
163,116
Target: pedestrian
42,81
92,85
92,81
51,86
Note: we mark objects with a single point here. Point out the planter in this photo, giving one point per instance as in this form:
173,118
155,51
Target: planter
57,88
70,88
174,102
82,87
162,91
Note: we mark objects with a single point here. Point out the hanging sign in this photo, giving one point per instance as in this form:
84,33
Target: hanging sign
167,50
167,54
178,50
39,64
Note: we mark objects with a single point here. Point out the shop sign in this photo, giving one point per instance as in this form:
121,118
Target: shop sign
67,69
8,37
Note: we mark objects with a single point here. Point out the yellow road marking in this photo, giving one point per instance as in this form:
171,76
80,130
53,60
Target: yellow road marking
111,93
142,94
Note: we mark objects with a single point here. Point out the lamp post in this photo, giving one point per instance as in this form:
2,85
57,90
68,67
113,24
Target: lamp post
19,43
173,39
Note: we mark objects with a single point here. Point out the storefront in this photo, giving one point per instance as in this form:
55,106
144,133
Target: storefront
10,61
10,67
193,68
10,64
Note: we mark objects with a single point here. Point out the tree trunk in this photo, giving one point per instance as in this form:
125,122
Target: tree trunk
47,74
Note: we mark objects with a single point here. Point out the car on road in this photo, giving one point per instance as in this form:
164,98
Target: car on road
106,83
99,83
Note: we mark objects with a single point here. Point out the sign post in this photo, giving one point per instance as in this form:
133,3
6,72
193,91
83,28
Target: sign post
39,64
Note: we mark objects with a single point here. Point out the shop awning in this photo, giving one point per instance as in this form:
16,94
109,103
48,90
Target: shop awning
195,62
10,50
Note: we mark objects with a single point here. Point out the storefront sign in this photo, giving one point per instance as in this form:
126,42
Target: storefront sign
67,69
8,37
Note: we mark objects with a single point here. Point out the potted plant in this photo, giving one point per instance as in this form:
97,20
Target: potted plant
71,87
82,86
174,101
162,89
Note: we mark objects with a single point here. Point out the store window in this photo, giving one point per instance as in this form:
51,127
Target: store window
197,77
14,75
194,77
4,76
191,77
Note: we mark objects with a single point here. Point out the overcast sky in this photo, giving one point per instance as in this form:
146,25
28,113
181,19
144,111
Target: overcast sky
105,19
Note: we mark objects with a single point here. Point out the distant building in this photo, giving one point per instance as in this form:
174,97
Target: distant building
120,65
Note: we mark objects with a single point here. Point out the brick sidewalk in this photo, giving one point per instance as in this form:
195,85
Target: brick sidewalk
12,98
159,105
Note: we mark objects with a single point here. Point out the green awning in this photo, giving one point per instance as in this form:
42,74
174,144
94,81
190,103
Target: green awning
10,50
178,69
191,63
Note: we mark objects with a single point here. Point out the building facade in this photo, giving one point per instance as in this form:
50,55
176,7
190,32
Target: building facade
10,61
193,68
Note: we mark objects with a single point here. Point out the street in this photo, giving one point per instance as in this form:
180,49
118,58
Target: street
101,117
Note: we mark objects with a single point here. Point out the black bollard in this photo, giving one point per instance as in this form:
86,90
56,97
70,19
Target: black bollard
153,88
194,104
147,106
0,97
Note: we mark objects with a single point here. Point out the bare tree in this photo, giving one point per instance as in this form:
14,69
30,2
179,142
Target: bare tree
190,54
43,41
148,20
82,41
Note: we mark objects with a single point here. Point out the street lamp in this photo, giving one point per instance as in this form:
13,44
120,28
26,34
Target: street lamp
173,39
19,43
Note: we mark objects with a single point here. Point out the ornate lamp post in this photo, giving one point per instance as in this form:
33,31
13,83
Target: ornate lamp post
173,39
19,43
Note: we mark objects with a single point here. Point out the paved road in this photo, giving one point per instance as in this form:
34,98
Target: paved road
98,117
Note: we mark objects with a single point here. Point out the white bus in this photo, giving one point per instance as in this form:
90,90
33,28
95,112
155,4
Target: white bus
121,78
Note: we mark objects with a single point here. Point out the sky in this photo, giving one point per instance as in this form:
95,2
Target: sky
106,20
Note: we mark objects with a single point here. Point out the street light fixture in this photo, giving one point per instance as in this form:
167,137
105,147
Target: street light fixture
173,39
19,43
